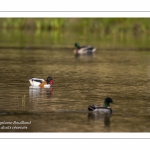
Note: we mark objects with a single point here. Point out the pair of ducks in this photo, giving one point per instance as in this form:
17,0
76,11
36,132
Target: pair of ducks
94,108
36,82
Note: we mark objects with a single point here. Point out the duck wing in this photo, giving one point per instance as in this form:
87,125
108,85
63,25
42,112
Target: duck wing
93,107
40,81
88,48
37,80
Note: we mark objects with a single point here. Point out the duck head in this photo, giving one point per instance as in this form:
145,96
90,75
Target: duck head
107,101
49,80
77,45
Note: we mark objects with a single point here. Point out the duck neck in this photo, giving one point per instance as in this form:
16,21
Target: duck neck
78,47
106,104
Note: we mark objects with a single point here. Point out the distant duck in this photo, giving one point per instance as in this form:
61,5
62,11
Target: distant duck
41,82
102,109
83,49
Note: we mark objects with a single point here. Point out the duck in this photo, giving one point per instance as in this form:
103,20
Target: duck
102,109
83,49
36,82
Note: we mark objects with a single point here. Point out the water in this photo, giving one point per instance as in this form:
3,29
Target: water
80,81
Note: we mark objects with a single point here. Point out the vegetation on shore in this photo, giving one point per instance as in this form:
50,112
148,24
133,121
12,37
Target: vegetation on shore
55,32
103,25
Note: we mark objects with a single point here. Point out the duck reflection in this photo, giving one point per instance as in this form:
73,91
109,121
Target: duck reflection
85,57
37,93
98,116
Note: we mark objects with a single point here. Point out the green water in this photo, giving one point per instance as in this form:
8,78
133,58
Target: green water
66,38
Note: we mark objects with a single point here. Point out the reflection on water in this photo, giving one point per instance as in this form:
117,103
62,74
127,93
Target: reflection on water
36,93
85,56
105,118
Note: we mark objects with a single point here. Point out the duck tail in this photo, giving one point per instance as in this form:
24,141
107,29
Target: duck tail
94,50
91,108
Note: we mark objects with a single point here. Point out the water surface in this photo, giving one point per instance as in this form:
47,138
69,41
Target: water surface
80,81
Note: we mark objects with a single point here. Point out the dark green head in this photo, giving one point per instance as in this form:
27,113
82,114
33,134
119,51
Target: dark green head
77,45
107,101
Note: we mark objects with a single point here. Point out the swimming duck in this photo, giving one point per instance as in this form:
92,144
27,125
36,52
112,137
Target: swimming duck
102,109
41,82
83,49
